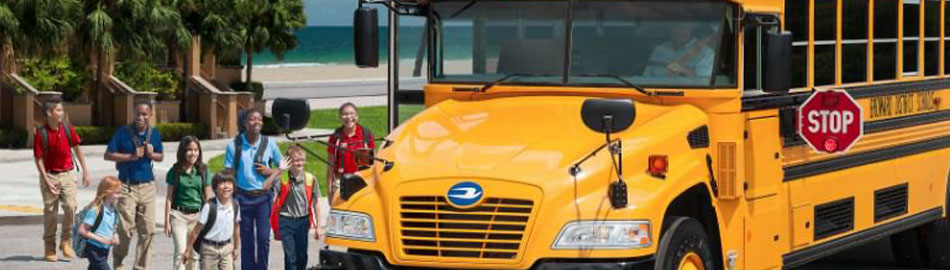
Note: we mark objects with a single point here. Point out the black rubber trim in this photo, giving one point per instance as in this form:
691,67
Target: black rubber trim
906,121
887,124
410,97
801,257
769,101
804,170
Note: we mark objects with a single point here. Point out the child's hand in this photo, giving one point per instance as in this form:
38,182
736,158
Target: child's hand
115,239
184,256
285,163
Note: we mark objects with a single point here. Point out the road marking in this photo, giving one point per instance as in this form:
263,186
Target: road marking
21,209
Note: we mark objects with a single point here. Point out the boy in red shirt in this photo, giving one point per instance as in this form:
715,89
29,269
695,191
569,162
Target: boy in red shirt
54,161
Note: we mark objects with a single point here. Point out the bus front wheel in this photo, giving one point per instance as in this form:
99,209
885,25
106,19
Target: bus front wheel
925,246
684,246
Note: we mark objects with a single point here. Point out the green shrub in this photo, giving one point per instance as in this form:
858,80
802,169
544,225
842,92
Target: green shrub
256,87
95,135
144,76
56,74
13,138
175,131
169,132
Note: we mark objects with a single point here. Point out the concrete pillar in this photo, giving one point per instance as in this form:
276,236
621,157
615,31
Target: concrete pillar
208,114
209,63
23,115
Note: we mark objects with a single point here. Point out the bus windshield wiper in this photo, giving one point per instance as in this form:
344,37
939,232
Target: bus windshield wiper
621,79
503,79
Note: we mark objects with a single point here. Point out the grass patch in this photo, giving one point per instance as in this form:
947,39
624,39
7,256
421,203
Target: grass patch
372,117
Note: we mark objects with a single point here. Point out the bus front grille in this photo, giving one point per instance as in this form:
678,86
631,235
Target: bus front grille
432,227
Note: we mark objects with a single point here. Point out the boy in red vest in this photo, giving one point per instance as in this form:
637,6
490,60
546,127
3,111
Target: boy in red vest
296,207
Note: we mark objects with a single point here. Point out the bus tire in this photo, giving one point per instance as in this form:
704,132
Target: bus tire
908,249
684,244
937,238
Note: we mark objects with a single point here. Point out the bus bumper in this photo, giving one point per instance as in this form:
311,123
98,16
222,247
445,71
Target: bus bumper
335,260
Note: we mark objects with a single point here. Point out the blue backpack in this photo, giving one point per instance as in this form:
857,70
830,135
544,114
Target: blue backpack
80,242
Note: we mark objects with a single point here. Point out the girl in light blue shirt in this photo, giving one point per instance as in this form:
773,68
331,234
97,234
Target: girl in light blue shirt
104,236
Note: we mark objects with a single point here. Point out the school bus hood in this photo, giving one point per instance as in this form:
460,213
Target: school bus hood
517,137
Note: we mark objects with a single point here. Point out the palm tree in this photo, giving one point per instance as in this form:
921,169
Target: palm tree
270,24
215,21
36,27
134,30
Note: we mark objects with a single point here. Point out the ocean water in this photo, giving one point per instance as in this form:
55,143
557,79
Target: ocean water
333,45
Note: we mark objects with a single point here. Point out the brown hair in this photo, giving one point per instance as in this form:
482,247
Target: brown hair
226,175
347,104
51,103
183,149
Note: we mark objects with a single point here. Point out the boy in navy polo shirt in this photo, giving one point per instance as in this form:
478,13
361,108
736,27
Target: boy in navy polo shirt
134,148
253,165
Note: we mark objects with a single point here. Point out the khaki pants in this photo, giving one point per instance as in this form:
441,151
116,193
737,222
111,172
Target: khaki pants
217,258
136,214
182,224
66,182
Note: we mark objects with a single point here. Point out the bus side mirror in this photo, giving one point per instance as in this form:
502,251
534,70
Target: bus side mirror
289,114
608,115
366,37
777,64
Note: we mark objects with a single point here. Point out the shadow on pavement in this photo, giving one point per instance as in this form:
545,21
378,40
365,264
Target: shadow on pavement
25,258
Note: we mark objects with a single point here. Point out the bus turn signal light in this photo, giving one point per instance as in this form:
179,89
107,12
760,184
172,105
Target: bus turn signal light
658,165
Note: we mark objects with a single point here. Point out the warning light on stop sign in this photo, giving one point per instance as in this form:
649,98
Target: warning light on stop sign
830,121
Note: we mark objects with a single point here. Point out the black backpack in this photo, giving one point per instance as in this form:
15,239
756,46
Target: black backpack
212,216
258,157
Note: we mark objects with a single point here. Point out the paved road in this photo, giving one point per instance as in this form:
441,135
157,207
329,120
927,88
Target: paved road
335,89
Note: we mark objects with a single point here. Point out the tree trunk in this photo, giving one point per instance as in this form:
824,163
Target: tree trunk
100,87
250,64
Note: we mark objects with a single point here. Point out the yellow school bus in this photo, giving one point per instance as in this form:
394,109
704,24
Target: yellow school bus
654,135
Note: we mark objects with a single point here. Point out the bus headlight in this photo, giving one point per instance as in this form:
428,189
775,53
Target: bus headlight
604,235
351,225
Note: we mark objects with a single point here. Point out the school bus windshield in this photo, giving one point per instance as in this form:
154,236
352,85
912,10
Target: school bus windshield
653,44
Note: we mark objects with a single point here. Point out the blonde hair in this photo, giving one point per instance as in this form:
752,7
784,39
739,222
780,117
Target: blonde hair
296,149
108,185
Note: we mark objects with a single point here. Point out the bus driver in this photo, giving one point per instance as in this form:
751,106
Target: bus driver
683,55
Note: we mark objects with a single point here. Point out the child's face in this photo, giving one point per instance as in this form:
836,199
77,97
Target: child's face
191,153
225,189
298,160
113,197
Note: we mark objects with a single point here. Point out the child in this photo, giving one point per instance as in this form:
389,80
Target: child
105,235
295,209
189,186
217,230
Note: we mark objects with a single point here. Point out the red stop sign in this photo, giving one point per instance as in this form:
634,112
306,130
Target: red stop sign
830,121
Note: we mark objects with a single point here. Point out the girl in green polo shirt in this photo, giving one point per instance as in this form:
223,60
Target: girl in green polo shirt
188,187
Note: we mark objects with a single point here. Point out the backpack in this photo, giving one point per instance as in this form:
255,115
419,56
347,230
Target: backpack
136,142
258,157
212,216
338,134
79,242
69,139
